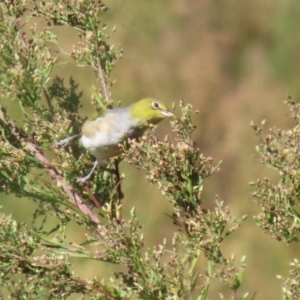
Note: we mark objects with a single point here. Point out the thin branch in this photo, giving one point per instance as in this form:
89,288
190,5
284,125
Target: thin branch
100,71
105,89
118,185
36,264
48,100
91,195
102,78
68,188
92,286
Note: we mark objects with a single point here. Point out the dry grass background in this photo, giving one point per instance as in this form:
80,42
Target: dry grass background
235,61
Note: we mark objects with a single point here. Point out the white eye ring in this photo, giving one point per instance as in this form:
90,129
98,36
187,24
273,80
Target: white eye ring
155,105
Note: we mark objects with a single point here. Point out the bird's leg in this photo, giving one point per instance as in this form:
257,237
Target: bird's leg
88,176
66,141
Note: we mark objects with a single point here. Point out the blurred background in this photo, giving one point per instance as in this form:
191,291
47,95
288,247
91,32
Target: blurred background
234,61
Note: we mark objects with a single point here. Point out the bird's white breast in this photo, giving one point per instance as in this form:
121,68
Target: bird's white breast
115,127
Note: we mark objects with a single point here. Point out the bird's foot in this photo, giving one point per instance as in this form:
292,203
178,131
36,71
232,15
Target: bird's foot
84,179
66,141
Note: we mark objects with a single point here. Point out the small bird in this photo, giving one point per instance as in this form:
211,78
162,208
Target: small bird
103,135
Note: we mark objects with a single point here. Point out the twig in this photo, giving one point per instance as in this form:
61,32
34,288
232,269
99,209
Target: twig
25,264
48,100
118,182
103,82
105,88
92,287
68,188
91,195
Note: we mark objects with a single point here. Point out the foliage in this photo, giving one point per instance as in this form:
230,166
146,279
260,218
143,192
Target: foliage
279,149
35,261
279,202
291,285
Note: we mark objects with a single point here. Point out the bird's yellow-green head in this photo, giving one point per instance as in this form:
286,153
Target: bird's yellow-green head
149,110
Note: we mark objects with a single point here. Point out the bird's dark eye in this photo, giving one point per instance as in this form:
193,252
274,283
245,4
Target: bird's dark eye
155,105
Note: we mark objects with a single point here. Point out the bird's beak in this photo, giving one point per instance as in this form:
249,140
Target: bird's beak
167,113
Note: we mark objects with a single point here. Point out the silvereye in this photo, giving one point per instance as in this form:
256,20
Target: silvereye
102,135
